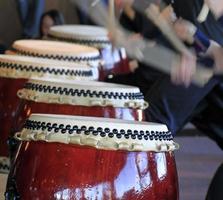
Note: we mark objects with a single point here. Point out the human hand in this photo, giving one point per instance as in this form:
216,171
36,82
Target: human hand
121,4
216,6
182,73
185,30
217,53
168,14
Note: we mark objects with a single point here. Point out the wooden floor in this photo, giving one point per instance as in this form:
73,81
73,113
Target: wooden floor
3,179
197,160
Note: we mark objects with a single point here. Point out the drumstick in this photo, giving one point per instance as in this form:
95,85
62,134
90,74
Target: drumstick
203,14
152,12
155,16
93,4
111,13
111,22
202,75
157,56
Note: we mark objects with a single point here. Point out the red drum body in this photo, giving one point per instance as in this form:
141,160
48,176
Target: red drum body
8,105
87,173
28,107
52,170
14,73
114,61
96,99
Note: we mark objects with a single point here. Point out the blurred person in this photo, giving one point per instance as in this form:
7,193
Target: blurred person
210,118
207,42
216,7
30,12
49,19
175,104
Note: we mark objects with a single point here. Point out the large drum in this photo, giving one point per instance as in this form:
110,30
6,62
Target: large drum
115,60
58,51
84,98
14,72
70,157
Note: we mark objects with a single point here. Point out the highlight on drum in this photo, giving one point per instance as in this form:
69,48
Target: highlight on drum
92,109
96,156
14,73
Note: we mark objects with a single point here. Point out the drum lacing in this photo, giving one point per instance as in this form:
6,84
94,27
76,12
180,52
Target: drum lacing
30,68
98,131
60,57
82,92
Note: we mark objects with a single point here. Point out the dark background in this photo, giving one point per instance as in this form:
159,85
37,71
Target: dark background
10,27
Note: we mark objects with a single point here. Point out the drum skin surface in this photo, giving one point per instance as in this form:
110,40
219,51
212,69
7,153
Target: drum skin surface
26,108
8,105
60,171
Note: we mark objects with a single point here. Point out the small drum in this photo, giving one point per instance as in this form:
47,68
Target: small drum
96,99
115,60
70,157
14,72
58,51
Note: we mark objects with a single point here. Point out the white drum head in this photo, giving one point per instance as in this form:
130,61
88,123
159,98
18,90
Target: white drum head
84,34
14,66
58,50
101,133
83,93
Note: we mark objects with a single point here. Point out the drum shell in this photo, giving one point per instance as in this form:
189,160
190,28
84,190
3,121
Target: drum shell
26,108
115,62
42,171
8,105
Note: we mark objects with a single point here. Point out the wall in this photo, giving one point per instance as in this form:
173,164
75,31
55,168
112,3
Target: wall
10,27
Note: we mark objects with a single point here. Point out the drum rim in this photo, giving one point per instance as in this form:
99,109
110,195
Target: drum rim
96,40
80,31
100,44
31,60
21,48
27,67
98,133
83,93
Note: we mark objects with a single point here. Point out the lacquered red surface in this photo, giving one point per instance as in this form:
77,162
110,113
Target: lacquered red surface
114,63
61,171
8,105
26,108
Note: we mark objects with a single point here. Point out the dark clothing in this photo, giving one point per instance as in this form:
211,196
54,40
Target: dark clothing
138,25
220,20
176,105
30,12
215,191
209,120
2,48
190,9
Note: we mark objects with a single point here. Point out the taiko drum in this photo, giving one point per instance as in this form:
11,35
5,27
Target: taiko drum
70,157
14,73
114,60
86,98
